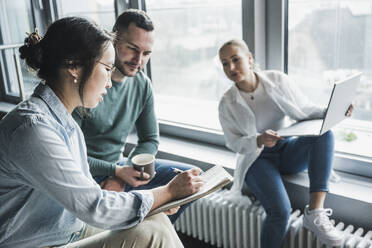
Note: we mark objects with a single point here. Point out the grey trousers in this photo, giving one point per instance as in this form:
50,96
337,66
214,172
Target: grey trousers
155,231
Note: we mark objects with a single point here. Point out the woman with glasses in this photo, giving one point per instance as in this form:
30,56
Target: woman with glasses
48,197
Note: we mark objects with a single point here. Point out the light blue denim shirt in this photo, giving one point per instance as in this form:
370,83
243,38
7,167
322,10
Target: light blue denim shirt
46,190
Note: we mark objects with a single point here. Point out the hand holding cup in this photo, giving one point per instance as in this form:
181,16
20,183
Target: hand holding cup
144,163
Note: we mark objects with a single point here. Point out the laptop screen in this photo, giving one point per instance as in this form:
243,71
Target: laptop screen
342,96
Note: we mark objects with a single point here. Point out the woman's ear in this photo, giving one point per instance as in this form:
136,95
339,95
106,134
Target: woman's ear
73,70
250,58
74,73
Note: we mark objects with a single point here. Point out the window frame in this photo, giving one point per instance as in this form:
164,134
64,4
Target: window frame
4,63
346,162
254,21
205,135
269,45
42,13
265,29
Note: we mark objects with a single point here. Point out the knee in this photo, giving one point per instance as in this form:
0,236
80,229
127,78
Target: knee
328,137
280,213
158,231
153,223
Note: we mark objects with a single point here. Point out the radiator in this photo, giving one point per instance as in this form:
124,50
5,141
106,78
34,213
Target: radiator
222,223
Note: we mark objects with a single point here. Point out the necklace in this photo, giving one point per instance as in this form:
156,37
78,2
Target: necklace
251,95
250,92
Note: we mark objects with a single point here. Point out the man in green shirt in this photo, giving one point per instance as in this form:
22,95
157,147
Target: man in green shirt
128,104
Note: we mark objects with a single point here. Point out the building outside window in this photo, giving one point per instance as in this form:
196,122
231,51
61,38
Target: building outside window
328,40
100,11
16,19
185,69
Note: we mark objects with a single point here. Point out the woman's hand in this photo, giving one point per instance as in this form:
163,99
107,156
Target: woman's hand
185,184
349,111
268,138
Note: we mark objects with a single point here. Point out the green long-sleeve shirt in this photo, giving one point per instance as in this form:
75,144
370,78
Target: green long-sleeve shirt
106,128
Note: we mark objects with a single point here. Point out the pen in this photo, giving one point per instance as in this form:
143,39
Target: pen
175,170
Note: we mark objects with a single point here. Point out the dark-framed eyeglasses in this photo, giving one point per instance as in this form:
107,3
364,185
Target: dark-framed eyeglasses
110,69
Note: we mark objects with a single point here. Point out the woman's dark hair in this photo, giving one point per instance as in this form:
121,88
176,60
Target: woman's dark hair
68,43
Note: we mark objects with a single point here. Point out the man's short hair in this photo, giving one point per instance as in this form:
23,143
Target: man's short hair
136,16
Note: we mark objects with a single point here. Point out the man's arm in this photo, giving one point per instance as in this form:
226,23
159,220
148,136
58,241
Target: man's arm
99,167
147,128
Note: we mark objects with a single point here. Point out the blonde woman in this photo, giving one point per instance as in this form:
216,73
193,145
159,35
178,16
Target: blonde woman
249,112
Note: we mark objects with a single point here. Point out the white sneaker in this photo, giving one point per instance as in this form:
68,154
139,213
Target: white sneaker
318,222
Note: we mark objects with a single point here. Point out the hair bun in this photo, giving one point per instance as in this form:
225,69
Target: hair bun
33,39
31,51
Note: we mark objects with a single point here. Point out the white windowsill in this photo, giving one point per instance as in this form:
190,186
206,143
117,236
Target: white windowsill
6,107
351,186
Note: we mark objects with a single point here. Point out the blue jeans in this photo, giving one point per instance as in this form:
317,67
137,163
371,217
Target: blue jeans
288,156
164,174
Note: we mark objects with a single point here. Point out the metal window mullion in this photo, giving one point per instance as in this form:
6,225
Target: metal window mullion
254,29
276,14
19,76
4,65
55,7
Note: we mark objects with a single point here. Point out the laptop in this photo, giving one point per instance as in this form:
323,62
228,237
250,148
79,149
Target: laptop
342,96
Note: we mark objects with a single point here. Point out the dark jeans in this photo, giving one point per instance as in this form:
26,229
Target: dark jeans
288,156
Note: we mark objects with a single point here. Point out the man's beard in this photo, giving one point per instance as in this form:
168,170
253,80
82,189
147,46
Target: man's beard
121,68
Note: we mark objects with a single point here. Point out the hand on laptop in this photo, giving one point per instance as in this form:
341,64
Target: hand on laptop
349,110
268,138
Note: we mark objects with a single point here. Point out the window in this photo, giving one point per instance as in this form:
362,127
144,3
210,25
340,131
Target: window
327,40
101,11
15,21
185,68
19,17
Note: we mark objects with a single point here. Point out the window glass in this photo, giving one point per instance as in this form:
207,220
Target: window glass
15,21
328,40
101,11
185,69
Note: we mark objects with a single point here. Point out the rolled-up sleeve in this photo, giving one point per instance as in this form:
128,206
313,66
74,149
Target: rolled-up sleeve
54,164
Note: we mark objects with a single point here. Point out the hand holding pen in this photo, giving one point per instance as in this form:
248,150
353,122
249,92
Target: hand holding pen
189,177
176,170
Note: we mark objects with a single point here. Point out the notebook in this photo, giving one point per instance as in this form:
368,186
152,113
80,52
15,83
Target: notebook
214,178
342,96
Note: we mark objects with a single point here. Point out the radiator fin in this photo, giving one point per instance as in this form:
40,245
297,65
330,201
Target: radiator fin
222,223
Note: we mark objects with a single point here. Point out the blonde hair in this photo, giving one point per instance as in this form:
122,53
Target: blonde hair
244,47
